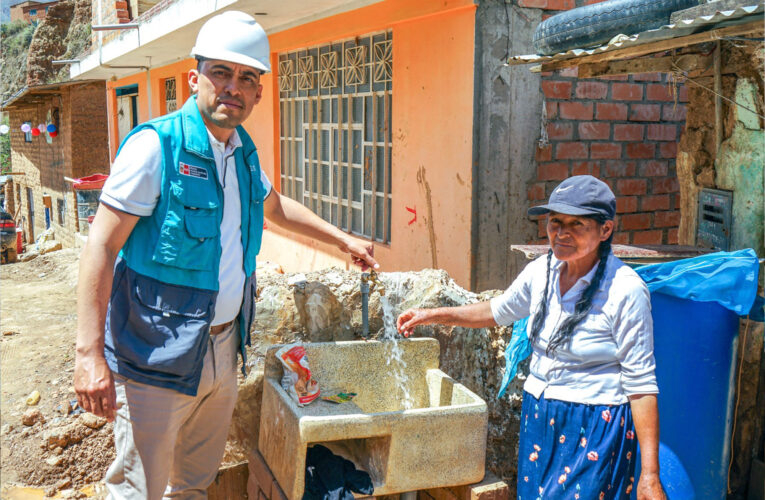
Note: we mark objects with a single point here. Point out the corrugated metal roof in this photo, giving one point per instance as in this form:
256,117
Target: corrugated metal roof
739,15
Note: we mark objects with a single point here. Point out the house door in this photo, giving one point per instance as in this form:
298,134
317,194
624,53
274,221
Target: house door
127,110
31,204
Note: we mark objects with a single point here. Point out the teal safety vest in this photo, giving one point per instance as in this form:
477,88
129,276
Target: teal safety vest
166,279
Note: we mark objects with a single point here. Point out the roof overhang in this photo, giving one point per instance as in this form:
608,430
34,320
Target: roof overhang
741,21
167,32
27,95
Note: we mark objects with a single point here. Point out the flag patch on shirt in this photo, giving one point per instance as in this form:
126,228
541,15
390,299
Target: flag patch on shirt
192,171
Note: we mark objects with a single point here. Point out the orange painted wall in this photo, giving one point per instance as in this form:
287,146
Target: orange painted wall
433,54
178,70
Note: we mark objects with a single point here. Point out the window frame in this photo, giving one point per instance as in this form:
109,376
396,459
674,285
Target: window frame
336,97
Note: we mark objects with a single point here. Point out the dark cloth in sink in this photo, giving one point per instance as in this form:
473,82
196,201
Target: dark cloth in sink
331,477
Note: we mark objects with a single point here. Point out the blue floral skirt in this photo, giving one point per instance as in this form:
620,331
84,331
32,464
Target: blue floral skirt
575,451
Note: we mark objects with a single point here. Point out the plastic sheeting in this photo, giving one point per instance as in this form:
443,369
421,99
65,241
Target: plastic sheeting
728,278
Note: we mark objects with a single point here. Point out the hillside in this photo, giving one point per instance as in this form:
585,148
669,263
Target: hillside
28,50
15,39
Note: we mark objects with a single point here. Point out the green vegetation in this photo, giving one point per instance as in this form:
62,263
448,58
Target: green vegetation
77,41
15,38
5,148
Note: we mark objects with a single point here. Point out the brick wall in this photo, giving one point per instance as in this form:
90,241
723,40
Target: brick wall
623,130
112,12
45,165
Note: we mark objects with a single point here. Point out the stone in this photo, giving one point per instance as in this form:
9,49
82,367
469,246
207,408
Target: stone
8,333
65,435
50,246
27,256
443,442
268,267
65,408
54,461
31,417
33,398
92,421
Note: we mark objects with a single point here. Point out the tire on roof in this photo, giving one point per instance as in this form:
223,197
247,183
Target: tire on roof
594,25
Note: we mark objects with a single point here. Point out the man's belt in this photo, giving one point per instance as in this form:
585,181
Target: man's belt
215,330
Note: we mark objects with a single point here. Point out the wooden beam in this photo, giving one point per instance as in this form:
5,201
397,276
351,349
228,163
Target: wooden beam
690,63
718,99
658,46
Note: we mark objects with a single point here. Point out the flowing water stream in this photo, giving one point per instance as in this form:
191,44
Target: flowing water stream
391,339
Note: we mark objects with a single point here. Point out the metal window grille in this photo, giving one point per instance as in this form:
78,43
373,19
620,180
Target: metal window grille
170,102
335,105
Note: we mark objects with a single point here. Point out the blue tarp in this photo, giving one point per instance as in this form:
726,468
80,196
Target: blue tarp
728,278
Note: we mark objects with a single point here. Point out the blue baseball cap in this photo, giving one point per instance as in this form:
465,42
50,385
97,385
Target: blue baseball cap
580,195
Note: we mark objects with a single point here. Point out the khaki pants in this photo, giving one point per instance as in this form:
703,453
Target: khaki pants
170,445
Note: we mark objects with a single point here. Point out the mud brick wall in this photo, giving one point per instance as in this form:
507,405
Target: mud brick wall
80,149
621,129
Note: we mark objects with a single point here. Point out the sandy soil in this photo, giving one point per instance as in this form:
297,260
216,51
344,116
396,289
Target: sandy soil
64,451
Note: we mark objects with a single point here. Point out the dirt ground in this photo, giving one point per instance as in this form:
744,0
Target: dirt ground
63,451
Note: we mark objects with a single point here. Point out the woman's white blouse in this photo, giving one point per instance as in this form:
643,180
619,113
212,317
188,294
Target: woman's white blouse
610,356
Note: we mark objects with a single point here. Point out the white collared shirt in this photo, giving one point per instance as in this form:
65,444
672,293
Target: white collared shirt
610,356
134,186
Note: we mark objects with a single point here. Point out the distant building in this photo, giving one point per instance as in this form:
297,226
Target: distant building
42,196
30,10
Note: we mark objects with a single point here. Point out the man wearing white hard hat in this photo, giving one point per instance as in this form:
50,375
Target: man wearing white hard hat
167,277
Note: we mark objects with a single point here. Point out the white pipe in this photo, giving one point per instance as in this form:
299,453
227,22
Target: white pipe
148,86
100,35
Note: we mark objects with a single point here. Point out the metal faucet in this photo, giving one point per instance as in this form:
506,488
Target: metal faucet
369,281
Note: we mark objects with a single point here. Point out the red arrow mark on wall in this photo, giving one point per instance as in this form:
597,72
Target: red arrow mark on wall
412,211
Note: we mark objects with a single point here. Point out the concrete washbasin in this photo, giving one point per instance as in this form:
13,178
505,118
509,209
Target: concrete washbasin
440,441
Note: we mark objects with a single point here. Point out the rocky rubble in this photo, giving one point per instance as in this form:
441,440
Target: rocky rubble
327,307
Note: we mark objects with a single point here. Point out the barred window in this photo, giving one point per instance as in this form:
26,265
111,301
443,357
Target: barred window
335,105
170,102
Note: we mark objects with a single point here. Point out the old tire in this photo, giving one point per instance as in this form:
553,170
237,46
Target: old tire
594,25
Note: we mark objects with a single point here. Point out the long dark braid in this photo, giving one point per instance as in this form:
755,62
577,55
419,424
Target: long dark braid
584,304
541,314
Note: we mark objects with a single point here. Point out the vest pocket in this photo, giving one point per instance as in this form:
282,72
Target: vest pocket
188,237
158,331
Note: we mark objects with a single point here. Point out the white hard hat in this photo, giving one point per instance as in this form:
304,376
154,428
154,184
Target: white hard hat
235,37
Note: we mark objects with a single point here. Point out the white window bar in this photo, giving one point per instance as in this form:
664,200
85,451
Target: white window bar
335,132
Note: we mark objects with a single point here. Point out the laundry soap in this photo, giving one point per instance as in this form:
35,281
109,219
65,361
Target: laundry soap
297,380
340,397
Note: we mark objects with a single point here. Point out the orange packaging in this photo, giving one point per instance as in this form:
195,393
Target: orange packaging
297,379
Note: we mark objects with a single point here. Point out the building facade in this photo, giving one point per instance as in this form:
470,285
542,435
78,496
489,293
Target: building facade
42,196
399,122
31,11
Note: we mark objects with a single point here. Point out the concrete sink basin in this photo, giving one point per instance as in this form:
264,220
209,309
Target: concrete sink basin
440,441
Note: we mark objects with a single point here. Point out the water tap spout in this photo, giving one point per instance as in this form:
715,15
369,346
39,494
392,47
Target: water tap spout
369,282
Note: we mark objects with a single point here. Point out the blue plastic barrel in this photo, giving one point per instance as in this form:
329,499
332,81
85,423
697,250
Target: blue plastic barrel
695,344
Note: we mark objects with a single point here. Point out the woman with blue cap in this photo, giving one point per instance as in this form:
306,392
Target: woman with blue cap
590,395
